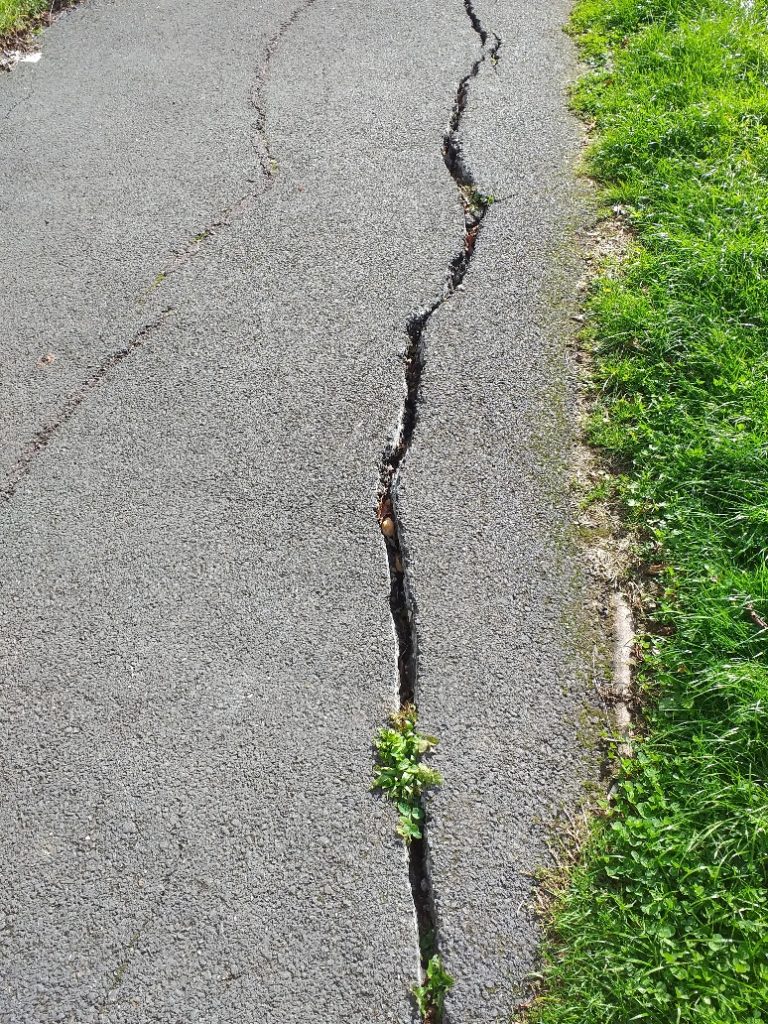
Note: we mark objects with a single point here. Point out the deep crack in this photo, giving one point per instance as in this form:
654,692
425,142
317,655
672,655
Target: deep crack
401,601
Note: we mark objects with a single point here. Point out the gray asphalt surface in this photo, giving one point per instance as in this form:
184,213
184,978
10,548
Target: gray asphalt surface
502,632
196,635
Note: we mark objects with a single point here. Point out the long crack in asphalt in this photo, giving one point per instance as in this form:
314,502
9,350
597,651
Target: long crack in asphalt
475,206
401,601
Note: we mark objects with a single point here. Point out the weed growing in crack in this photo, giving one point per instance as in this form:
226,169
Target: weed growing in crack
400,772
430,997
475,201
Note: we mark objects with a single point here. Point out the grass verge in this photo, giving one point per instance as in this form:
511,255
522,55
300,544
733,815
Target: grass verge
19,17
665,919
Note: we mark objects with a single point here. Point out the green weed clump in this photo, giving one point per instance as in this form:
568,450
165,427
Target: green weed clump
400,772
430,997
666,918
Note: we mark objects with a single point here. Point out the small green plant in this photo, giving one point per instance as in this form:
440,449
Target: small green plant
157,281
602,491
430,997
476,201
399,771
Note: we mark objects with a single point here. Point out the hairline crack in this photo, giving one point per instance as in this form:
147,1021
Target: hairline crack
222,219
265,159
43,437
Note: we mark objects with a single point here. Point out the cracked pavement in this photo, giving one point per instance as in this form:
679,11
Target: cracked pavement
202,364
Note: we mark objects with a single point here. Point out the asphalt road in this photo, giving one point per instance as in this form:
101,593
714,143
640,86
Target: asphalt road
215,221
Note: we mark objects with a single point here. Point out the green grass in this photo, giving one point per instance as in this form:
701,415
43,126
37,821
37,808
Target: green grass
666,916
16,14
19,16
